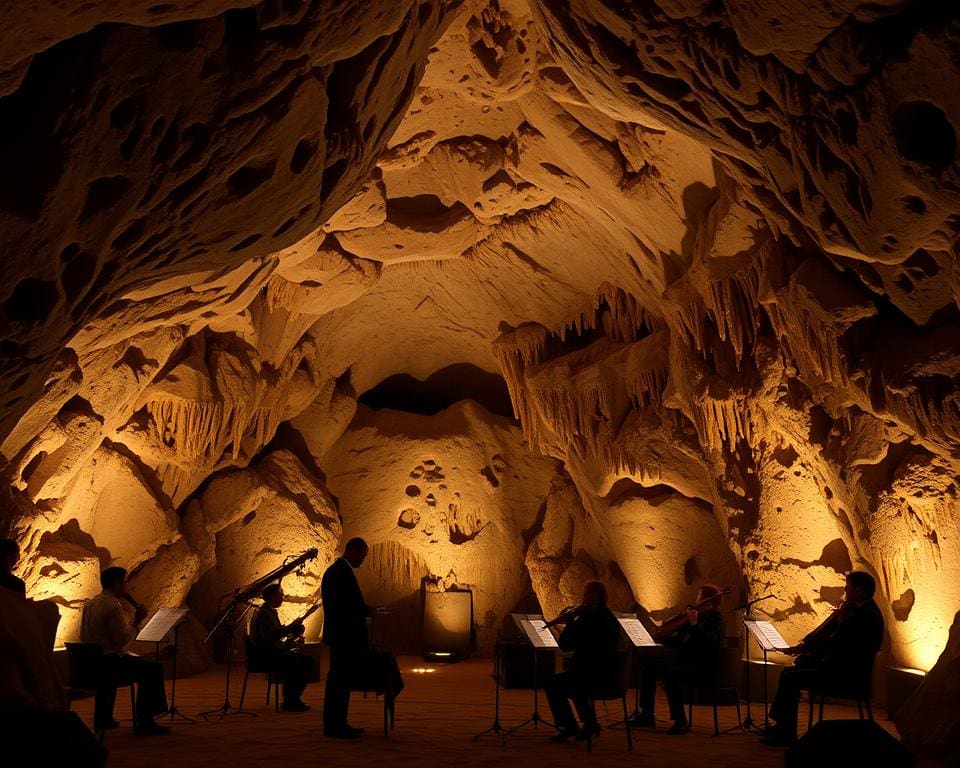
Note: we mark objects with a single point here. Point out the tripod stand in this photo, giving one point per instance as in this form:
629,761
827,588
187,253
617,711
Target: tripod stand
748,725
227,708
172,712
535,719
496,729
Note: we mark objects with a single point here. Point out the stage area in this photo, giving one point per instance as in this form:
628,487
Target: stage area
437,715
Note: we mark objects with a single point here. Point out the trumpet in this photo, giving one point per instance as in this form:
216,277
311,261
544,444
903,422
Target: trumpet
567,614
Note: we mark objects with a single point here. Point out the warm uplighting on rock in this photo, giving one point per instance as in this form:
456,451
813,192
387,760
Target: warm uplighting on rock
524,292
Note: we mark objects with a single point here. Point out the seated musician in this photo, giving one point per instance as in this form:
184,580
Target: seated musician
697,634
9,555
839,652
105,622
274,642
592,632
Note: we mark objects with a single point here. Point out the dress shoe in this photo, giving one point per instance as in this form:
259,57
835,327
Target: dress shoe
589,730
341,733
643,720
679,728
565,734
151,728
774,737
294,706
108,726
358,731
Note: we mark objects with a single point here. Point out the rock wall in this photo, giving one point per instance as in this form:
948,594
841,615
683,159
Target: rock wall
710,249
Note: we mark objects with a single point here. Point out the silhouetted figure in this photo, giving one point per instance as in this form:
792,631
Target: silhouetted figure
592,632
345,632
269,637
105,622
697,634
9,555
839,652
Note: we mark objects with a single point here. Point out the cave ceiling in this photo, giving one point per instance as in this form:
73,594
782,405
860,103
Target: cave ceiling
710,249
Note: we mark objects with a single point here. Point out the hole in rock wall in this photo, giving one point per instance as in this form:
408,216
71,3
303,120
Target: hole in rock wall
440,390
925,135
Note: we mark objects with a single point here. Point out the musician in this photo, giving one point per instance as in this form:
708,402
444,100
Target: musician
9,555
106,623
345,633
592,632
271,640
697,634
839,652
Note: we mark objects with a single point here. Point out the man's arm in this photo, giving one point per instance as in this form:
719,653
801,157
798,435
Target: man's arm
120,630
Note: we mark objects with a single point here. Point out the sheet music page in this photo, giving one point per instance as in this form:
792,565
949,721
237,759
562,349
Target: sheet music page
161,623
536,630
767,636
637,633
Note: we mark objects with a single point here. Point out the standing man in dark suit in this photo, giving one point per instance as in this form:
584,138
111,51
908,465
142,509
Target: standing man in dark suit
838,653
593,634
346,636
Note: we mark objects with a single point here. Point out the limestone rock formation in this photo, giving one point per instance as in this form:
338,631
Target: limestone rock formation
262,256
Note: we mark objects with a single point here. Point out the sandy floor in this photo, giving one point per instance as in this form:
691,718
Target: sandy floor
437,715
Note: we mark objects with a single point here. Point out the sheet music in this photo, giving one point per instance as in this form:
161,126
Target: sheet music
637,633
536,630
160,625
767,636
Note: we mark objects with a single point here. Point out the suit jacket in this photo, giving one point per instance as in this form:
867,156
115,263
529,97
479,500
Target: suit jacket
344,611
845,644
594,638
700,645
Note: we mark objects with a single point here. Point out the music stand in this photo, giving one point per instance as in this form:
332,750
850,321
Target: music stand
748,725
227,708
639,638
154,631
540,637
768,639
496,729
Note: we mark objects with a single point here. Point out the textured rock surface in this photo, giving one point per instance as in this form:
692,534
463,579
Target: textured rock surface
709,249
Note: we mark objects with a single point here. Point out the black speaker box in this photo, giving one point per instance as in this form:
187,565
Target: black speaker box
846,743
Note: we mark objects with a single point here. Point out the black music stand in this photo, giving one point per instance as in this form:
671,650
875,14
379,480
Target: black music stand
533,628
163,621
227,708
496,729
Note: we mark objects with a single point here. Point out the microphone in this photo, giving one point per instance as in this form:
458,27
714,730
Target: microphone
749,603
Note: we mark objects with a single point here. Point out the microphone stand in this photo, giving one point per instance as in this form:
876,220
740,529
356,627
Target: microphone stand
747,725
496,729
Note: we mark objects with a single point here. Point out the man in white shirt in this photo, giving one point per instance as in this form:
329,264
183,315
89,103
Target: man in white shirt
105,622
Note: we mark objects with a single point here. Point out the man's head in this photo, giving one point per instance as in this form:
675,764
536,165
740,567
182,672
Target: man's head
712,594
594,593
273,594
114,580
860,586
355,552
9,555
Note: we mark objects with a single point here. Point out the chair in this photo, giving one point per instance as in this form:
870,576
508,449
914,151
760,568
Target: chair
85,672
614,689
258,662
860,691
715,690
376,679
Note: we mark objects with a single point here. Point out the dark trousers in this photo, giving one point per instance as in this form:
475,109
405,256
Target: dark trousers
119,670
353,669
560,689
295,670
785,703
675,677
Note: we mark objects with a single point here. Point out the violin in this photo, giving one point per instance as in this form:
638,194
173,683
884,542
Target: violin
568,614
678,620
811,648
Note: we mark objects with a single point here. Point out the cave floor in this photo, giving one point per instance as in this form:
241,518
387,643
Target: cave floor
437,715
